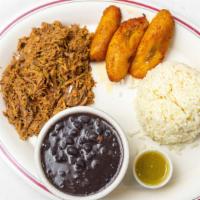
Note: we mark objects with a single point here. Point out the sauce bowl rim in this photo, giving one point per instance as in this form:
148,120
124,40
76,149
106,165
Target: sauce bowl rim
169,175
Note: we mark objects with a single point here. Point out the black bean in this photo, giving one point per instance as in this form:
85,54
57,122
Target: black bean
60,156
110,152
84,132
65,122
87,147
65,129
69,140
53,150
82,152
103,150
72,160
49,172
58,126
45,146
75,175
97,122
99,131
92,137
71,119
72,150
80,163
95,164
82,140
67,171
73,132
90,126
77,125
53,145
53,141
62,143
98,146
112,166
85,182
88,132
61,173
53,134
78,181
90,156
59,181
84,118
77,168
107,133
114,144
98,126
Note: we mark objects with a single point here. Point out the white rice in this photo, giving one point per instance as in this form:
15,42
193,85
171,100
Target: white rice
168,103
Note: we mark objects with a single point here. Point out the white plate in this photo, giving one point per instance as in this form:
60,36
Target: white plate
116,99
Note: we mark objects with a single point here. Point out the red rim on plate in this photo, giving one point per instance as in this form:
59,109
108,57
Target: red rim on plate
4,151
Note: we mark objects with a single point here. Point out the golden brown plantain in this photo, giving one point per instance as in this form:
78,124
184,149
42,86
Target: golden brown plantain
154,44
108,24
123,46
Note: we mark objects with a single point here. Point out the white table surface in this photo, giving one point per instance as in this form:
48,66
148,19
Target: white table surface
11,186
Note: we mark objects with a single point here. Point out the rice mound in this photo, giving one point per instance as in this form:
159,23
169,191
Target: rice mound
168,103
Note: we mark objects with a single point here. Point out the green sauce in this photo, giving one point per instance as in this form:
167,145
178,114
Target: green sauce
152,168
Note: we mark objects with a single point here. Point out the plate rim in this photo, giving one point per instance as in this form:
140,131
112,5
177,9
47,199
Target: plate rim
4,152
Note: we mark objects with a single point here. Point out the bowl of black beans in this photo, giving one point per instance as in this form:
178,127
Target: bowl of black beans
81,153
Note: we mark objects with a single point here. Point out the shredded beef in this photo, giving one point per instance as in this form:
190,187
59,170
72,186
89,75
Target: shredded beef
50,72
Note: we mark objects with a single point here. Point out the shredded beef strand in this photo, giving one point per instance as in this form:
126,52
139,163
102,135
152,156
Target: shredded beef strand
50,72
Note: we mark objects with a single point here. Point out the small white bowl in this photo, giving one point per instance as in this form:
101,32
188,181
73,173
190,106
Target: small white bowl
107,189
165,181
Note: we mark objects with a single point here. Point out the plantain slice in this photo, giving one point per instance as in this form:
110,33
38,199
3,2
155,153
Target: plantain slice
154,44
108,24
123,46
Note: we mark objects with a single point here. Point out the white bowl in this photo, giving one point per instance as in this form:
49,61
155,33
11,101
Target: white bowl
107,189
165,181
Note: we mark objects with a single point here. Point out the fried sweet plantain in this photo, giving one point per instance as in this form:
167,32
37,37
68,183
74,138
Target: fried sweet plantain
123,46
154,44
108,24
